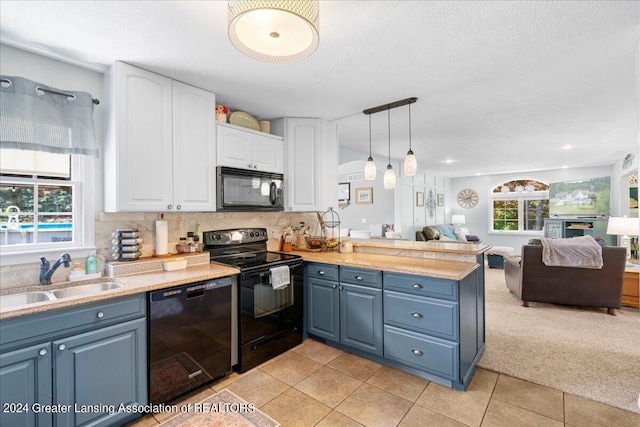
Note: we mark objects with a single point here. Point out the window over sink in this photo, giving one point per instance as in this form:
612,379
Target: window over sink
45,204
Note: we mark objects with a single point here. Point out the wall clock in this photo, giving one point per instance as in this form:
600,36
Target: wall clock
467,198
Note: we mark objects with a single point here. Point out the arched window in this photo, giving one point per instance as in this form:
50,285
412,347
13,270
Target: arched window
519,206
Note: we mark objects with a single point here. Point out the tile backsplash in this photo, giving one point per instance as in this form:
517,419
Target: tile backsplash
179,224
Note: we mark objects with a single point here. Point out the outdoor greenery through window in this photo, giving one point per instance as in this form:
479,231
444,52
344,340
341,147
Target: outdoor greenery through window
520,205
36,198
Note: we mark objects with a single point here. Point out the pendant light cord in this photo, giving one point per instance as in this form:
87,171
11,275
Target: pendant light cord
389,127
410,127
370,136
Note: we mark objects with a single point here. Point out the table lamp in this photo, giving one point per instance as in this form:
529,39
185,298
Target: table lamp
624,227
458,220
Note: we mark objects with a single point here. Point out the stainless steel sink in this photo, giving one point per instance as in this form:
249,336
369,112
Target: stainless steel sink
82,290
24,298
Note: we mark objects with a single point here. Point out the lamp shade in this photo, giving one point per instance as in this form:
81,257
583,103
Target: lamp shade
389,178
457,219
623,226
274,31
370,170
410,164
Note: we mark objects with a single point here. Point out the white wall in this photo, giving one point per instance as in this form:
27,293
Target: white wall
381,211
477,218
61,75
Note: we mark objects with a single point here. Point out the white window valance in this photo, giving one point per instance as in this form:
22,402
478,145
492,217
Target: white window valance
34,116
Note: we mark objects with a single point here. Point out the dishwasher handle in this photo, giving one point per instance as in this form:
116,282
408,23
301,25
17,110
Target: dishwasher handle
191,290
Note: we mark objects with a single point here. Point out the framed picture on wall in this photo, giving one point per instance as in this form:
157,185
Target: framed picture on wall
440,199
364,195
344,191
419,198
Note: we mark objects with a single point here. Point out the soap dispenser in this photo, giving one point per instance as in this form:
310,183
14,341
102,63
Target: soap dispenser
92,263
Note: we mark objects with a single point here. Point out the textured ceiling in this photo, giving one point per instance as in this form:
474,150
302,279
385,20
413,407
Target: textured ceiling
502,86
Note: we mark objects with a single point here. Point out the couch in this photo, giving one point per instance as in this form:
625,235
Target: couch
533,281
435,232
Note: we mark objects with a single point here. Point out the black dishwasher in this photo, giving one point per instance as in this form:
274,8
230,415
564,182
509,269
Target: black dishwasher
190,337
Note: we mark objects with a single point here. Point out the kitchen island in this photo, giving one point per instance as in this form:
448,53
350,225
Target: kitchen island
416,307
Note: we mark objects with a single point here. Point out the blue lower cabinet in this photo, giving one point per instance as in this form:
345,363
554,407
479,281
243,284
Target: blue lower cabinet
99,371
323,313
361,318
25,381
86,361
438,356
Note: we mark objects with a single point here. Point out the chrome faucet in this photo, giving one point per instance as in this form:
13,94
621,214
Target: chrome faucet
46,272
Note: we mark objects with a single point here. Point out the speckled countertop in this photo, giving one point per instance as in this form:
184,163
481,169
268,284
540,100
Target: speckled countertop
443,269
145,282
428,246
133,284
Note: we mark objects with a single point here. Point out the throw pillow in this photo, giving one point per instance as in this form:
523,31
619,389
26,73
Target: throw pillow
447,230
431,233
445,238
460,236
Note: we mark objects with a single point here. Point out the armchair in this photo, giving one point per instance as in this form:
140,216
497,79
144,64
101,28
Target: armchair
532,281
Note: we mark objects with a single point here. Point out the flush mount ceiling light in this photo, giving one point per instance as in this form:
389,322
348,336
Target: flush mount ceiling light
274,31
370,166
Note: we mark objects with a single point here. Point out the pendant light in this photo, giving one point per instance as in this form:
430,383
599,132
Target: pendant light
389,174
410,162
274,31
370,166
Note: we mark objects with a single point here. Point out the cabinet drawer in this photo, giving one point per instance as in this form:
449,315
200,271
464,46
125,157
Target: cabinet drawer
435,355
322,271
82,317
420,285
360,276
421,314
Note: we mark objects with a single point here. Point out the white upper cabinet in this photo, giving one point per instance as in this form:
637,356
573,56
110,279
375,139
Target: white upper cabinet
194,148
248,149
159,144
311,163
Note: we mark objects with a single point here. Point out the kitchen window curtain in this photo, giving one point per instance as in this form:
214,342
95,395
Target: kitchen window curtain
37,117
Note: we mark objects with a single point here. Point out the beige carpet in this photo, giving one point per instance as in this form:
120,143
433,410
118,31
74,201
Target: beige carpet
580,351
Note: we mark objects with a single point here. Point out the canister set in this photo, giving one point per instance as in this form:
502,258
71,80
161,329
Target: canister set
126,244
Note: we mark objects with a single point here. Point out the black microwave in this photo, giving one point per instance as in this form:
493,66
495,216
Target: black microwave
249,190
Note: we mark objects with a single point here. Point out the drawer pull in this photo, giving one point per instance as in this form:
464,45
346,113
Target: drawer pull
359,278
321,272
416,315
417,352
61,347
417,286
42,352
100,315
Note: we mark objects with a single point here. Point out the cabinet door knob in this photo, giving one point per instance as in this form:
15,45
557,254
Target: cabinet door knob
416,315
417,286
250,166
341,288
359,278
42,352
255,166
334,286
169,207
320,272
62,347
100,315
179,207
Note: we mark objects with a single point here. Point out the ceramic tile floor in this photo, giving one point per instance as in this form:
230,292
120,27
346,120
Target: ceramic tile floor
317,385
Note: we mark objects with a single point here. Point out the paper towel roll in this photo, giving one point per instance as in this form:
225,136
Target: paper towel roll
162,238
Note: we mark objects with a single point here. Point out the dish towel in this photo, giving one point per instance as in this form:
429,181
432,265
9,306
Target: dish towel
280,277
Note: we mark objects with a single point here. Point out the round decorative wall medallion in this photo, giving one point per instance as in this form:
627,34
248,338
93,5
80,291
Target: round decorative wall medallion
467,198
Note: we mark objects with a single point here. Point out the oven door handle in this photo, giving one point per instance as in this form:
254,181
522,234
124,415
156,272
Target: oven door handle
272,193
